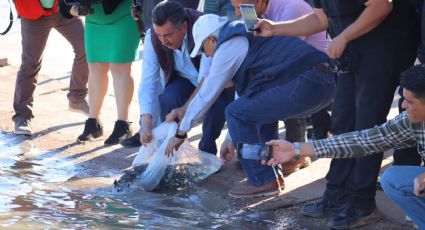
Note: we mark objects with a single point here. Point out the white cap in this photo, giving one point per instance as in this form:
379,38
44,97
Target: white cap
203,27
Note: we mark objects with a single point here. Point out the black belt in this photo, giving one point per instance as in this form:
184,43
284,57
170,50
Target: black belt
323,67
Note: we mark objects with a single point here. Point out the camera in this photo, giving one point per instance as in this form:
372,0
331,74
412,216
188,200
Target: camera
254,151
83,6
137,9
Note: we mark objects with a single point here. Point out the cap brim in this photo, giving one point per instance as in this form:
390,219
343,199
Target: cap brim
195,51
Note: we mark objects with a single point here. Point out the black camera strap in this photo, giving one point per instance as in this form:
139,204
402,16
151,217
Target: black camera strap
10,20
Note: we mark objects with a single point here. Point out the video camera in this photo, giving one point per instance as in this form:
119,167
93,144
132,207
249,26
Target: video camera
83,6
137,9
137,13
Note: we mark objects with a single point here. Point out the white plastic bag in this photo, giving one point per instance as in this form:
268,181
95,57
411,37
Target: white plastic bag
191,164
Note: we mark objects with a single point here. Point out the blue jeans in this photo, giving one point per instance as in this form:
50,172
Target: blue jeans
397,183
255,119
178,91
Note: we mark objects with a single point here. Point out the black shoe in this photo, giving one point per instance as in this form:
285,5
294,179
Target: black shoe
353,218
92,129
322,208
121,131
133,141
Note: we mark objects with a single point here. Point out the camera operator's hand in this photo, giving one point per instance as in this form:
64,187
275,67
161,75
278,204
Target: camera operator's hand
73,11
283,151
263,28
136,9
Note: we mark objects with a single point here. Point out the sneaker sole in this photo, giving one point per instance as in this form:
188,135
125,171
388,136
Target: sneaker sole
123,137
26,133
92,137
274,193
374,217
319,214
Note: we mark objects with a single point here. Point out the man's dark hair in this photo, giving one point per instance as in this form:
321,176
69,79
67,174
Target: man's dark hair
169,11
413,79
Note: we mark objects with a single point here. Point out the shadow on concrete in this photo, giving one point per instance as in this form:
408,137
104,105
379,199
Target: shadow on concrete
54,129
54,79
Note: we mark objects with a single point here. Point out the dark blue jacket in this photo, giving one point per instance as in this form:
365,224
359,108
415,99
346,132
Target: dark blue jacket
271,60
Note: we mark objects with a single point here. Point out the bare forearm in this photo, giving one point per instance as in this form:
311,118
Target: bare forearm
303,26
307,150
375,12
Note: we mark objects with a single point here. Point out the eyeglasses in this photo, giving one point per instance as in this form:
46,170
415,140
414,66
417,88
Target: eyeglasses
202,46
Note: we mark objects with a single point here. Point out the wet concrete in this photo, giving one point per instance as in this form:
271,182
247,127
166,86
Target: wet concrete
51,180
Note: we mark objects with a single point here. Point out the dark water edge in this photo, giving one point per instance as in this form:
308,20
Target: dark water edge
34,195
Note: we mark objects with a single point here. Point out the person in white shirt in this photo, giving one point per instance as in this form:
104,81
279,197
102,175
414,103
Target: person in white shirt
276,78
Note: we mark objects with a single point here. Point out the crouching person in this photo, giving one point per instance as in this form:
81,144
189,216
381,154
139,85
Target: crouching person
403,184
276,78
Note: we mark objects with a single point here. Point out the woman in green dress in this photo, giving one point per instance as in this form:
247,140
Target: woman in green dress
111,41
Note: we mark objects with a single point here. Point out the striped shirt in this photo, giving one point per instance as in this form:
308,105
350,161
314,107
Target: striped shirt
397,133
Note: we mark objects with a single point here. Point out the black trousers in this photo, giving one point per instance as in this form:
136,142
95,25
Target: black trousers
363,99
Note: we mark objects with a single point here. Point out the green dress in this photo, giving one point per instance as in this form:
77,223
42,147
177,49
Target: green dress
113,37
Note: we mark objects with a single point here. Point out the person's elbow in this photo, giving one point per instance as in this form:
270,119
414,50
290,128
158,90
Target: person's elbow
382,8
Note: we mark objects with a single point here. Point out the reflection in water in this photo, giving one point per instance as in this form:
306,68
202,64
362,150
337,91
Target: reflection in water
33,195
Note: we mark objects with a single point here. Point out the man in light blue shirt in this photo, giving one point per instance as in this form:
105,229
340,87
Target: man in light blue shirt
170,76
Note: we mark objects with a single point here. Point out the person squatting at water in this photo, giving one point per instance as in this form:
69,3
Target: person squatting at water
367,38
276,78
166,49
38,18
143,14
405,185
283,10
112,40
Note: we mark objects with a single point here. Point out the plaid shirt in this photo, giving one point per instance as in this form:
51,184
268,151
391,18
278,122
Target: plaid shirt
397,133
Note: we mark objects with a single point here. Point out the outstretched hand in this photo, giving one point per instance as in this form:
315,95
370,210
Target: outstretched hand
283,151
175,114
263,28
227,151
173,143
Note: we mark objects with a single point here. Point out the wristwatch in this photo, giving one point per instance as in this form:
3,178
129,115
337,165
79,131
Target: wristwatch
297,151
177,135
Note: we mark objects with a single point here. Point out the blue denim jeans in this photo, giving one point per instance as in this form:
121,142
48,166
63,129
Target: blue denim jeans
397,183
255,119
178,91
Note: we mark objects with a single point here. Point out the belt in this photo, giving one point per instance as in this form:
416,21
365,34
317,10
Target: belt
322,67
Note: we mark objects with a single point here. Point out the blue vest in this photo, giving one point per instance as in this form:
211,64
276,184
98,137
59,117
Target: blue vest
270,60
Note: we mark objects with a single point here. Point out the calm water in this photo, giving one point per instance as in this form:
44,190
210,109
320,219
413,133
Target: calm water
34,194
